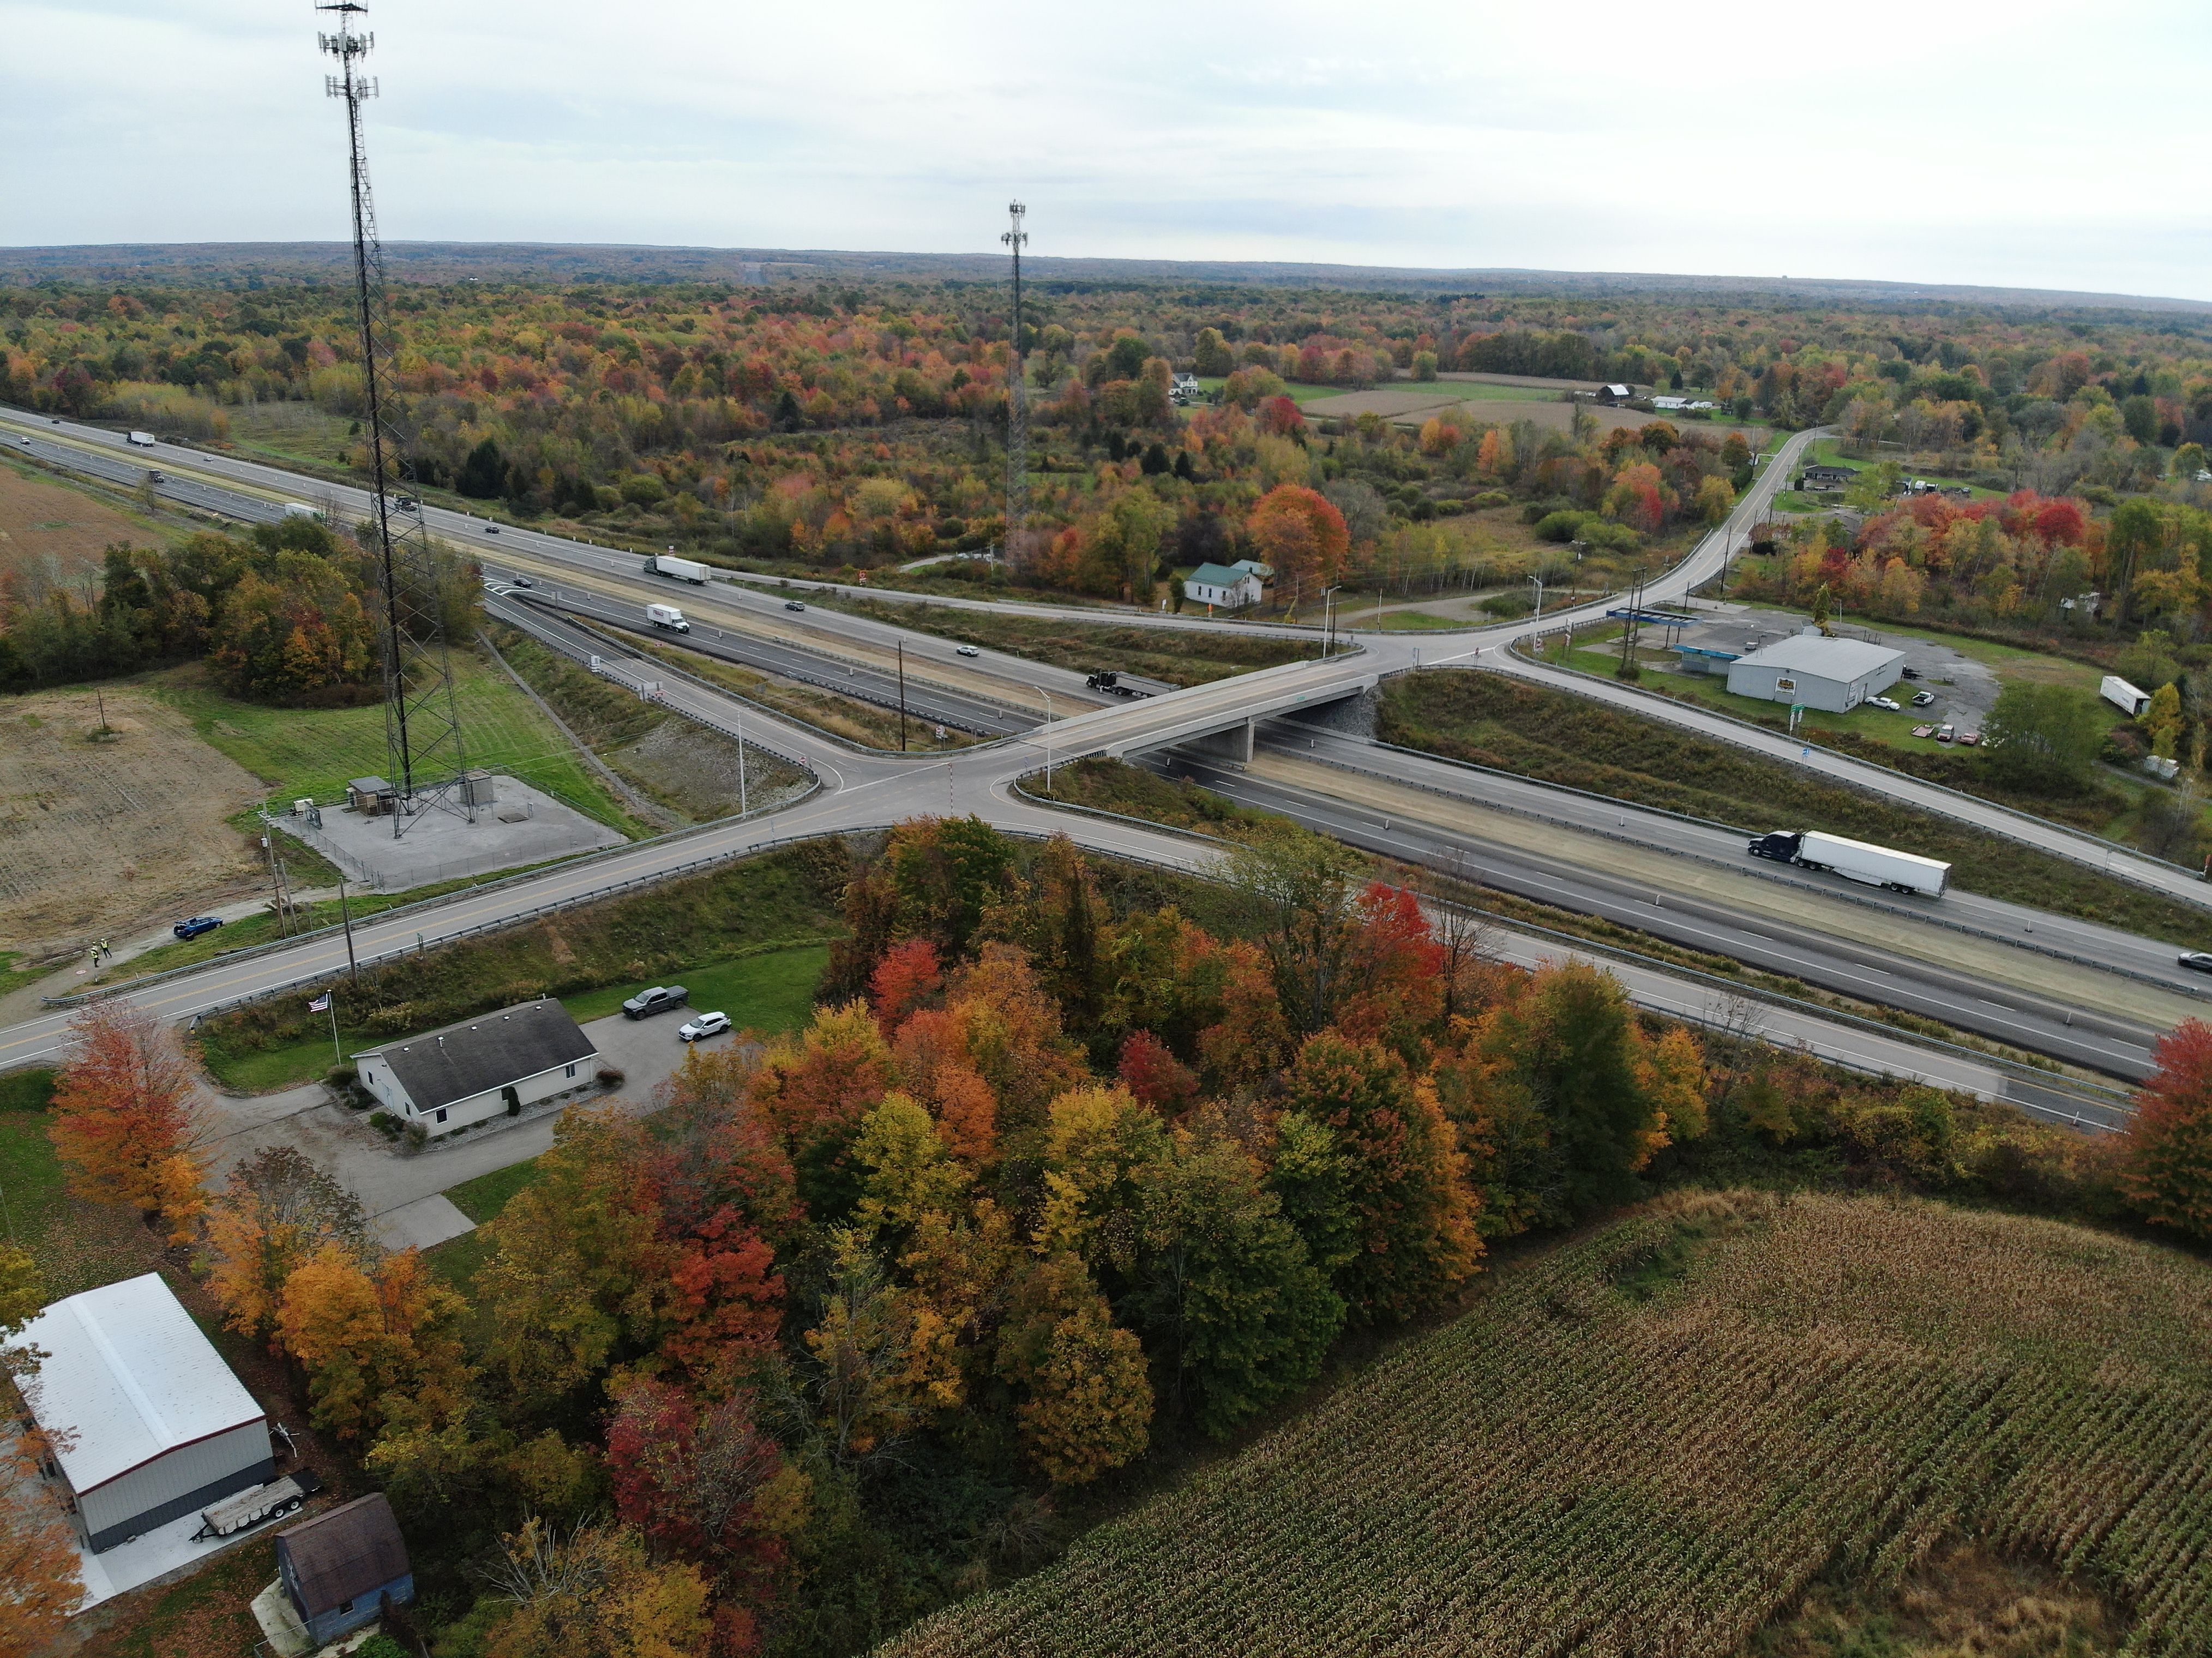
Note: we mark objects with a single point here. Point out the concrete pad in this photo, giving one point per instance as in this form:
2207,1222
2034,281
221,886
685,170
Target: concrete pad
440,845
160,1552
280,1623
422,1223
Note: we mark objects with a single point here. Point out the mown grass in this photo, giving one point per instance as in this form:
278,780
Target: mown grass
1179,656
767,992
316,752
751,908
848,717
1560,738
1826,1384
77,1245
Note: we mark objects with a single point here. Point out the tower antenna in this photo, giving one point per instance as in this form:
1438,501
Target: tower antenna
422,720
1018,404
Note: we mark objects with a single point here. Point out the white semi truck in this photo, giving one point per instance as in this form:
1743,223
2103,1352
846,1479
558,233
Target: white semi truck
667,616
683,569
1856,860
142,440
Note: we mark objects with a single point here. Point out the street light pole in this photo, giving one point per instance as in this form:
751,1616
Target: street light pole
1328,622
353,967
901,676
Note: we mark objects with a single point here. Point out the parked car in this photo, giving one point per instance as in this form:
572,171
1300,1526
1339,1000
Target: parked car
521,581
1884,702
2195,961
968,650
793,604
197,926
1944,733
702,1025
1968,739
1924,699
1909,673
660,999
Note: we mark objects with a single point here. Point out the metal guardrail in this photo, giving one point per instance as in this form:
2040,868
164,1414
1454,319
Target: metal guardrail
1861,900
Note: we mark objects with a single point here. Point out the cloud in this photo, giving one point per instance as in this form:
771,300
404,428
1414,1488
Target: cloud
1938,141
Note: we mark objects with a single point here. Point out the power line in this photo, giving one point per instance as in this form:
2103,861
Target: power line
423,721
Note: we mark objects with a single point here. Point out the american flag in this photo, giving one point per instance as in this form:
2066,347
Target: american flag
322,1004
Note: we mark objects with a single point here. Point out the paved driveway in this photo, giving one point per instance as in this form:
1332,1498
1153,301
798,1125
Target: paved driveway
402,1191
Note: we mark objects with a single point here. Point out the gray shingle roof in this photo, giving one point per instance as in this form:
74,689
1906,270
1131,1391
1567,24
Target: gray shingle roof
489,1051
342,1555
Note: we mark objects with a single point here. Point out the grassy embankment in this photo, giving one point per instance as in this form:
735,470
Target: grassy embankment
681,766
847,717
1562,738
78,1246
1674,1427
1182,656
2111,807
701,932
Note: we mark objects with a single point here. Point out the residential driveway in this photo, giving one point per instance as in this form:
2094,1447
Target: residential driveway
401,1190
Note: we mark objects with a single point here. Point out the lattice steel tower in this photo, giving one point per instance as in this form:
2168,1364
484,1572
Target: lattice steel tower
421,721
1018,402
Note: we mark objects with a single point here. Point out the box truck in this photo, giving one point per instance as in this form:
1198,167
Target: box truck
299,509
1878,867
683,569
2124,696
142,440
667,616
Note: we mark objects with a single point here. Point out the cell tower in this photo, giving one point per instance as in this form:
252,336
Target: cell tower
422,722
1018,402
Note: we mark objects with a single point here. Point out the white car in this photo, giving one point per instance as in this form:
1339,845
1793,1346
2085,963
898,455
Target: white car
967,650
1884,702
703,1025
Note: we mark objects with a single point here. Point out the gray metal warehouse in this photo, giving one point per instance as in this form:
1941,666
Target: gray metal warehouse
151,1424
1832,674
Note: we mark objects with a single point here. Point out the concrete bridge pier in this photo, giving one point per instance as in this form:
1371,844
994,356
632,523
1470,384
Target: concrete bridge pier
1233,744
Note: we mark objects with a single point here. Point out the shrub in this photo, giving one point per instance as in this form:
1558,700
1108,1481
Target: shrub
343,1076
611,1076
384,1123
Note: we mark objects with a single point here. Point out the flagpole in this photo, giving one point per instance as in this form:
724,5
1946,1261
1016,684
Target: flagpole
337,1055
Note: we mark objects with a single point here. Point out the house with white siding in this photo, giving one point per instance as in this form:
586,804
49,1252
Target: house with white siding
144,1422
477,1068
1230,588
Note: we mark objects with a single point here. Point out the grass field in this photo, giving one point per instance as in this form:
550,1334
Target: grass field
1658,1438
316,751
78,1246
1564,738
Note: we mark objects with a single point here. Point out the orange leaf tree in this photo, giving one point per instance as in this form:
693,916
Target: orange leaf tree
1299,532
277,1210
39,1581
368,1338
126,1122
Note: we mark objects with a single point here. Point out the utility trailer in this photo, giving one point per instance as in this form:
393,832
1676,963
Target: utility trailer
1855,860
249,1508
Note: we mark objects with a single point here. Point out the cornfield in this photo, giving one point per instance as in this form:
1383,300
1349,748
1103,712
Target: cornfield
1649,1443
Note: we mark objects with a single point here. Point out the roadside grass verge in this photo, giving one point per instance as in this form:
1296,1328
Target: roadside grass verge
1179,656
762,904
316,751
1560,738
847,717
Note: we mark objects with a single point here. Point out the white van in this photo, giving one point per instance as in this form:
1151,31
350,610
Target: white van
667,616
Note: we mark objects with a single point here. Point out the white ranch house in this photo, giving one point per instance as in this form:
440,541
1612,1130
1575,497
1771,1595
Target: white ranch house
478,1068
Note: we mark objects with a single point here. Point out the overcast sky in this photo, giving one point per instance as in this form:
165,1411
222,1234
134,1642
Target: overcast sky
2034,143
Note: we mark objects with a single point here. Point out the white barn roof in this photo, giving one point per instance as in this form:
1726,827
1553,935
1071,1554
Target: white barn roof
131,1378
1832,659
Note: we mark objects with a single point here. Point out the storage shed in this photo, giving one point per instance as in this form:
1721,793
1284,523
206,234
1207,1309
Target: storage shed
1832,674
150,1424
370,795
479,1067
340,1568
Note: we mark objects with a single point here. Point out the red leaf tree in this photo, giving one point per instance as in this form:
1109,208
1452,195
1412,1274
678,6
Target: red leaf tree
2167,1169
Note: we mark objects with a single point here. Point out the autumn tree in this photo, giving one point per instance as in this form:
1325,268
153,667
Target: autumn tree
593,1593
1301,535
1414,1229
368,1337
39,1585
277,1210
1086,1402
1303,883
2166,1171
126,1123
698,1478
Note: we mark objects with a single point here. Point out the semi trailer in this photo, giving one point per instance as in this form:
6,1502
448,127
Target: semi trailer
1855,860
680,569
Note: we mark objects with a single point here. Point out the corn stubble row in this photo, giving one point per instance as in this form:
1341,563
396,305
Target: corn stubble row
1569,1471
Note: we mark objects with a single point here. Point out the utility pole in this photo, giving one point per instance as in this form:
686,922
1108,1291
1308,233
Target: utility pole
276,881
901,676
345,915
1018,407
